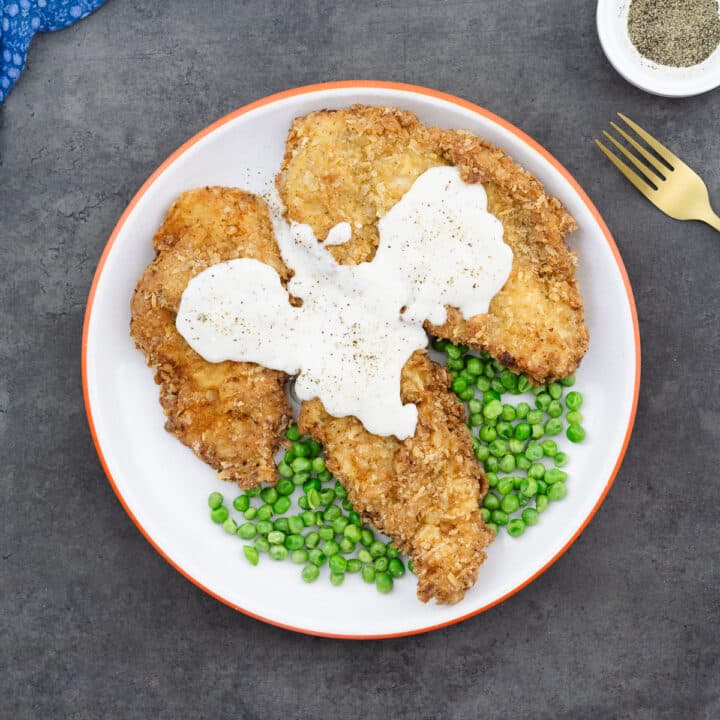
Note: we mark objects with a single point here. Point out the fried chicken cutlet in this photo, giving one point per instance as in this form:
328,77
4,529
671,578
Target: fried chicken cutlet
354,164
230,414
423,492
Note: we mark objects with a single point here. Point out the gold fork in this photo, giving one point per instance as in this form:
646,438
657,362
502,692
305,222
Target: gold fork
670,185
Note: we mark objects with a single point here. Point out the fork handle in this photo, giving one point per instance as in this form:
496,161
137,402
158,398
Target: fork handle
712,220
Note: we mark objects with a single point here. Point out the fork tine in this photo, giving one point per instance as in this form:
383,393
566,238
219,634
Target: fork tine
644,170
670,158
630,174
654,163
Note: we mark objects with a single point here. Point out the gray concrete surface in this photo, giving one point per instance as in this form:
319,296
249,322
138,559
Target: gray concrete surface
93,623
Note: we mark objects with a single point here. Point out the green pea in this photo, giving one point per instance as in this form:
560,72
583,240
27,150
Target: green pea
491,501
553,427
383,582
507,464
337,564
492,526
485,514
557,491
541,503
352,533
542,401
476,419
475,406
284,469
505,486
300,478
364,556
299,557
492,409
354,518
215,500
438,344
377,549
241,503
536,471
282,505
497,386
504,429
261,544
366,537
230,526
326,532
554,475
475,366
353,565
327,497
325,476
285,487
508,379
310,573
311,540
489,371
542,487
381,564
264,527
499,517
522,462
524,384
278,552
294,542
549,448
482,384
555,390
251,554
331,513
368,573
533,452
498,448
453,351
574,400
516,527
523,431
530,516
303,503
347,546
574,417
561,459
317,557
487,434
522,410
301,449
492,479
555,409
575,433
347,506
509,504
313,498
265,512
529,487
295,524
292,433
482,452
459,384
467,394
247,531
538,430
254,491
219,515
535,416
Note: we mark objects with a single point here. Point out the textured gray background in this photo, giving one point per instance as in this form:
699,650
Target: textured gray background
93,623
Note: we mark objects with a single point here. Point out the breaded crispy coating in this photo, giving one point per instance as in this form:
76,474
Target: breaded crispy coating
231,414
423,492
354,164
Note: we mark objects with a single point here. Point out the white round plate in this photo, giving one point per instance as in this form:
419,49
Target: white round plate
164,487
612,16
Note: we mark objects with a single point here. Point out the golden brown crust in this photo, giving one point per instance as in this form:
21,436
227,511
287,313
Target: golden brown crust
423,492
354,164
230,414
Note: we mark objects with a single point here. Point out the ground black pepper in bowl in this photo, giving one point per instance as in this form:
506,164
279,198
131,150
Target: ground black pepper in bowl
677,33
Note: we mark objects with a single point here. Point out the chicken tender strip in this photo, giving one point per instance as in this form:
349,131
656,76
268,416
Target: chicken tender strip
423,492
354,164
230,414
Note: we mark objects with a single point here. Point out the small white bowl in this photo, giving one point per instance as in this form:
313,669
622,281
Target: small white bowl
612,16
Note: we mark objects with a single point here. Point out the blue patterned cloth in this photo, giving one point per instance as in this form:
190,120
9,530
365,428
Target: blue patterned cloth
21,19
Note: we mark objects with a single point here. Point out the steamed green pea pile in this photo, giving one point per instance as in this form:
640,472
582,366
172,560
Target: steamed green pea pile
325,531
514,442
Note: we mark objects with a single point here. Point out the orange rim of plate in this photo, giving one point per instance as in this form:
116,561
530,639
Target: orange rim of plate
383,85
